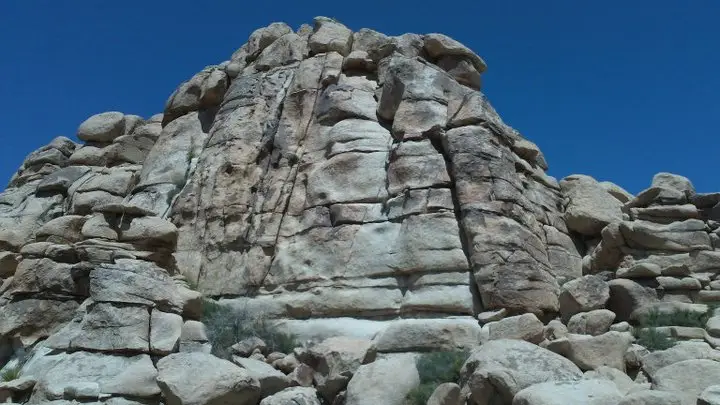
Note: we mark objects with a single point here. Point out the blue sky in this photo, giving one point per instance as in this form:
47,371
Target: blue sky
618,90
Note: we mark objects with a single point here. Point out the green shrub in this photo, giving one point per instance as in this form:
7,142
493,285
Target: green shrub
678,318
10,374
653,340
436,368
225,327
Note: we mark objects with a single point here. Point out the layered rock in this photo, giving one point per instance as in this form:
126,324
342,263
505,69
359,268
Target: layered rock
346,184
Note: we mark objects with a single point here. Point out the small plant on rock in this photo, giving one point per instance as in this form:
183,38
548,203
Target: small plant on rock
654,340
436,368
677,318
10,374
226,326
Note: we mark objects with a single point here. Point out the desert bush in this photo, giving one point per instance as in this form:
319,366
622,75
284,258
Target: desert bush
677,318
227,326
436,368
654,340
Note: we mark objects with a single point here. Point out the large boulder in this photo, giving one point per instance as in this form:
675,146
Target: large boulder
652,362
594,322
499,369
589,209
674,182
271,380
626,296
583,294
103,127
523,327
199,378
688,378
130,376
591,352
648,397
386,381
584,392
293,396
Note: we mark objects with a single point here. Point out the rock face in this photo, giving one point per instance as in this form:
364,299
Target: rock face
355,189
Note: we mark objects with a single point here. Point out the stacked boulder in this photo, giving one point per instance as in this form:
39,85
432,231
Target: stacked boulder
359,192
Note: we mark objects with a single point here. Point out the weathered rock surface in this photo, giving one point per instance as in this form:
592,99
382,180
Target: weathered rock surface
499,369
585,392
220,381
349,185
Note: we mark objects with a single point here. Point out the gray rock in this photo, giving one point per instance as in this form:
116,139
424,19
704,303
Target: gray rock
583,294
329,35
652,362
591,352
428,334
387,380
616,191
293,396
651,398
710,396
446,394
589,209
499,369
439,45
165,332
271,380
593,323
198,378
116,375
8,264
623,383
248,346
674,378
335,361
626,296
103,127
674,182
523,327
585,392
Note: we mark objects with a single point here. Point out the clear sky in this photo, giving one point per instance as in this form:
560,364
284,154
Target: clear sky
618,90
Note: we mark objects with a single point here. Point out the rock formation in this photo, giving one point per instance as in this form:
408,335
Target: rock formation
350,186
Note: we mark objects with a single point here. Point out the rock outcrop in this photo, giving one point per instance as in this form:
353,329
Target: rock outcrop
359,193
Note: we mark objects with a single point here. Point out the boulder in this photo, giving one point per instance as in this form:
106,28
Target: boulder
131,376
428,334
446,394
710,396
103,127
593,323
329,35
674,182
648,397
591,352
293,396
623,383
198,378
689,378
616,191
248,346
583,392
583,294
652,362
271,380
589,209
524,327
626,296
386,381
499,369
335,361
